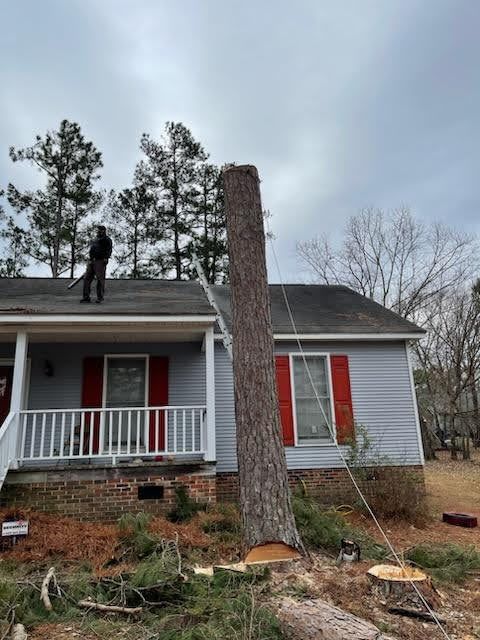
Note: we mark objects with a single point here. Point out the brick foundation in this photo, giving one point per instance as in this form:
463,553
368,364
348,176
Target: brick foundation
329,486
104,494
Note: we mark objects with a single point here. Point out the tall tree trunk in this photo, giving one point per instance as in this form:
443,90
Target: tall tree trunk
476,416
58,232
264,492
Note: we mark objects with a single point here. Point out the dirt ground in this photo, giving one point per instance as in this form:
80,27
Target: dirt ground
451,486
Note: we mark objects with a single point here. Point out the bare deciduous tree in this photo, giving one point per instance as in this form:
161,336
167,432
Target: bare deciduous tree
393,259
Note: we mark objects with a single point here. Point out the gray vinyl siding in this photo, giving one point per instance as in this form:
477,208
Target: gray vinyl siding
382,402
186,375
63,390
380,382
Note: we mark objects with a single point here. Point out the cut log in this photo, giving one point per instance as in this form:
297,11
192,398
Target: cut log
317,620
393,580
18,632
109,608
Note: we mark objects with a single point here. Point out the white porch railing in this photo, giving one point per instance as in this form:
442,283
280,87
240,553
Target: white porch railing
56,434
8,445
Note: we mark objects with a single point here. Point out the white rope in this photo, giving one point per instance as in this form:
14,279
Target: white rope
332,435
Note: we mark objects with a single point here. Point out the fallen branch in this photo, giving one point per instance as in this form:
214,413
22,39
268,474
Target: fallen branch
413,613
44,596
110,608
18,632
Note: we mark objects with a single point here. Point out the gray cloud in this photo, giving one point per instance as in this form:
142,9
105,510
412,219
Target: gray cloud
340,105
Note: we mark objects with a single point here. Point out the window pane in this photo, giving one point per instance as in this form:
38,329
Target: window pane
303,385
311,422
126,382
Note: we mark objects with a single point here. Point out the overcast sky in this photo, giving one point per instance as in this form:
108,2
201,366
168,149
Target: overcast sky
340,104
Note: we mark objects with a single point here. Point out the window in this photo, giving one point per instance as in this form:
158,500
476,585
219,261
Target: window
310,420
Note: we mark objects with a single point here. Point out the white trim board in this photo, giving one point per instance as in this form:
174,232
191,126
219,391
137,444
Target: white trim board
415,405
9,319
351,337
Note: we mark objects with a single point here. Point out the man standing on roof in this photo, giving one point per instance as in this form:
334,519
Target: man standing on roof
100,252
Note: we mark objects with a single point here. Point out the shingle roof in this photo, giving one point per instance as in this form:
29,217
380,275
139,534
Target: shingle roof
323,309
124,297
319,309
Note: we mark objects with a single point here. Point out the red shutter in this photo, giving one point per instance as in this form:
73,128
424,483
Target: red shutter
342,398
157,397
92,391
282,365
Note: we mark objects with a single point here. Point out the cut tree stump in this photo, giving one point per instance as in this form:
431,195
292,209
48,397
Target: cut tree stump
395,581
317,620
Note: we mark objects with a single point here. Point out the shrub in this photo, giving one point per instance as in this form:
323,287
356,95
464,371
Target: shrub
393,492
185,508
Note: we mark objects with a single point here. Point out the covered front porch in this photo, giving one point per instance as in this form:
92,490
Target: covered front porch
107,393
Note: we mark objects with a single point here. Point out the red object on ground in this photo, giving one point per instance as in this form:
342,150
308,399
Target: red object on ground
460,519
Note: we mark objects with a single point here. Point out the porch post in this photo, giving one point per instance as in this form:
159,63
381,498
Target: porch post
18,384
210,454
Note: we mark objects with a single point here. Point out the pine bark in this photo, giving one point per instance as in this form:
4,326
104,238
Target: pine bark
316,619
264,492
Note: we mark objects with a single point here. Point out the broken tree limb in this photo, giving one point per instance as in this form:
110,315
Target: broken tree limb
44,595
413,613
316,619
18,632
262,469
109,608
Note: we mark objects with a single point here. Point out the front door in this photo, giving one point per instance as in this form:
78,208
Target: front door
125,389
6,379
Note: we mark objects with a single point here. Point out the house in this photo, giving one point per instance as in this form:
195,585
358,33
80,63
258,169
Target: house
106,408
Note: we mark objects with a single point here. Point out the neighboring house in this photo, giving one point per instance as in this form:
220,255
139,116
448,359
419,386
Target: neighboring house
106,408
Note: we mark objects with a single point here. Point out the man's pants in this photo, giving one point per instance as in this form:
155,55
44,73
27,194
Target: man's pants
95,269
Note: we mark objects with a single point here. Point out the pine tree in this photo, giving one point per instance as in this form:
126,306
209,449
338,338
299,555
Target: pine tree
209,236
13,261
170,170
57,212
130,216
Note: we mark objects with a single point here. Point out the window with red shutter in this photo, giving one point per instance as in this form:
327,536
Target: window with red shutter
282,366
92,390
342,398
312,401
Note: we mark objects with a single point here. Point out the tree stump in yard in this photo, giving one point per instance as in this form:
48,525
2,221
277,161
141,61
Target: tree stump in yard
395,581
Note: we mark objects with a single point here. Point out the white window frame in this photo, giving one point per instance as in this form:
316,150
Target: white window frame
319,443
111,356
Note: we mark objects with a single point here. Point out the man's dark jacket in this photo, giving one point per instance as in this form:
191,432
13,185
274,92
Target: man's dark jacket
101,249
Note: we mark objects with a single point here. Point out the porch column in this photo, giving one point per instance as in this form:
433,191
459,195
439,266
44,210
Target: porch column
210,453
18,384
